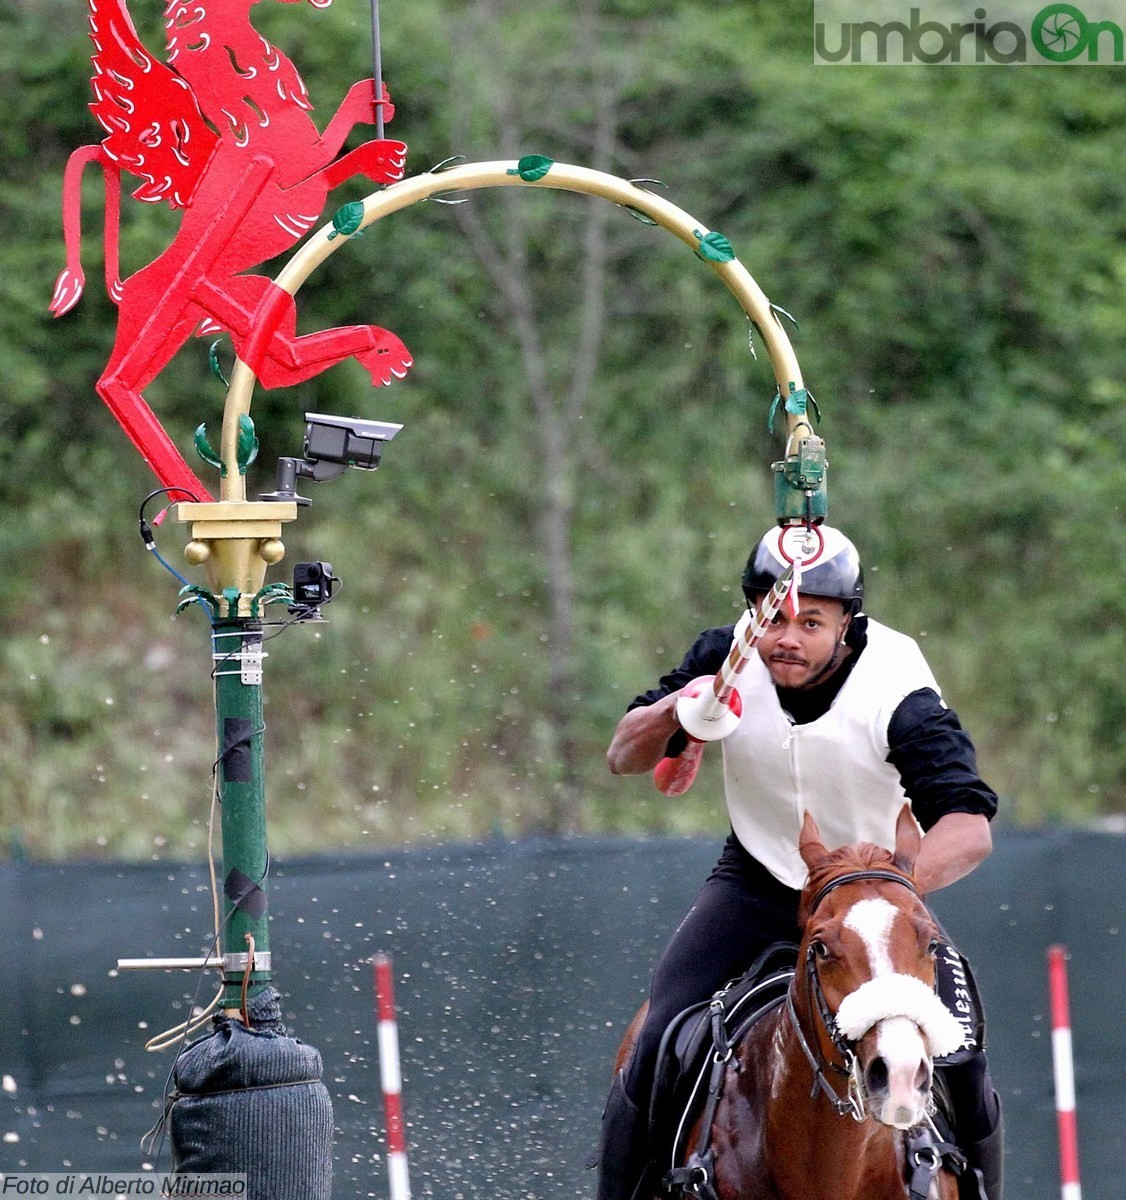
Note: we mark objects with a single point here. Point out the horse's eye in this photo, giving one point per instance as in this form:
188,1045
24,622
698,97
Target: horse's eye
819,948
932,948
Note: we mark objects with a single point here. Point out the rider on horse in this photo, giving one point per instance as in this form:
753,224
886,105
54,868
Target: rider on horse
842,718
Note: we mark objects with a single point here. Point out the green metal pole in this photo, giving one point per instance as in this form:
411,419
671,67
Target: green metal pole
238,658
236,541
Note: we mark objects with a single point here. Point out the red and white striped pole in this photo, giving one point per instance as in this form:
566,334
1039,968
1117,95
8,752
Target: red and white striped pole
391,1079
1063,1068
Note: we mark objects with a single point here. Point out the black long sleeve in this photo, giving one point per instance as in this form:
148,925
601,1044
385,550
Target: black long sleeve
935,760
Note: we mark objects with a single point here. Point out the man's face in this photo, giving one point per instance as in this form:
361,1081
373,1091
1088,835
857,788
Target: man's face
797,650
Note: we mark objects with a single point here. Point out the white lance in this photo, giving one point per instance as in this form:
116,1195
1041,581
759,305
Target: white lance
709,708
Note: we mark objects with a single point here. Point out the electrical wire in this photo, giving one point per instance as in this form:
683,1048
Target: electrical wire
170,568
149,538
165,491
182,1031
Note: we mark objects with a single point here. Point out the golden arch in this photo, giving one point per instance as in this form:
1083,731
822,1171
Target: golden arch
560,177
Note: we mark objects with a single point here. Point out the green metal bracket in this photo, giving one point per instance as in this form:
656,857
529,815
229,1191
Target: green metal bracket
207,452
272,593
193,594
532,167
800,483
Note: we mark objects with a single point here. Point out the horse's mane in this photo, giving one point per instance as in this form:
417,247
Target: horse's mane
862,857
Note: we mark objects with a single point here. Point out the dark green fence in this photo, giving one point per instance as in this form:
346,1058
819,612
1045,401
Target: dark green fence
517,968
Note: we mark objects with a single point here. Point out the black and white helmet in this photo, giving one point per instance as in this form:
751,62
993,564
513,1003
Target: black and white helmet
830,565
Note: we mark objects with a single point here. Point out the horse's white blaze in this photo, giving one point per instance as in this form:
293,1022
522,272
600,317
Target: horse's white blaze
871,920
900,1044
911,1023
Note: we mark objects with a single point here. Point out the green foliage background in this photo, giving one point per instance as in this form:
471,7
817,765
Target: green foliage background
952,242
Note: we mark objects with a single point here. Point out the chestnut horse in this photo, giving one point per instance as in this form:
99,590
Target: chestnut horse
818,1097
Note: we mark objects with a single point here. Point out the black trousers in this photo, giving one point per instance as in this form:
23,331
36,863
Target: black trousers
739,912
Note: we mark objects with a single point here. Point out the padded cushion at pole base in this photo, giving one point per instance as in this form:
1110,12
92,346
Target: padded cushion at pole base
252,1101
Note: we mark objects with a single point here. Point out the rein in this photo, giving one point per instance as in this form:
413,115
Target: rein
854,1101
851,1104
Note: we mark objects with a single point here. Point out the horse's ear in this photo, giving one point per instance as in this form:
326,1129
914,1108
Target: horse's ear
809,843
908,840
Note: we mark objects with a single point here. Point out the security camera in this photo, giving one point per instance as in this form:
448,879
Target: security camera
346,441
332,444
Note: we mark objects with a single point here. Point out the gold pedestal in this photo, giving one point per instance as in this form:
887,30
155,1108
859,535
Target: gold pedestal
235,541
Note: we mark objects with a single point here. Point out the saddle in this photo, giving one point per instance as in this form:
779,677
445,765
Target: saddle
695,1036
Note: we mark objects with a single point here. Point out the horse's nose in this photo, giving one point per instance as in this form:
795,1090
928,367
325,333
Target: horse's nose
924,1076
876,1077
898,1075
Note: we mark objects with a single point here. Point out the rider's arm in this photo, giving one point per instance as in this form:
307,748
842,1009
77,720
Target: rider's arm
952,847
938,767
642,737
650,731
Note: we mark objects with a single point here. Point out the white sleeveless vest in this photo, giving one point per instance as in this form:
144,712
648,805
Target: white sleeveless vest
835,767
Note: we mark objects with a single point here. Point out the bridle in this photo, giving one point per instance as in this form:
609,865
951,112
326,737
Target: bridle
854,1101
696,1177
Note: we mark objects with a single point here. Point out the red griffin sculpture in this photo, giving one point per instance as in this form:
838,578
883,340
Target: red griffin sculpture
222,130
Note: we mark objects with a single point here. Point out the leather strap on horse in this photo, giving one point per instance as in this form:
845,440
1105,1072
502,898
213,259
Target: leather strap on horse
696,1176
849,1105
860,876
926,1154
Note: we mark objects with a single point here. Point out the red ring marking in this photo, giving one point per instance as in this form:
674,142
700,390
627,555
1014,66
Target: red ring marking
805,561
